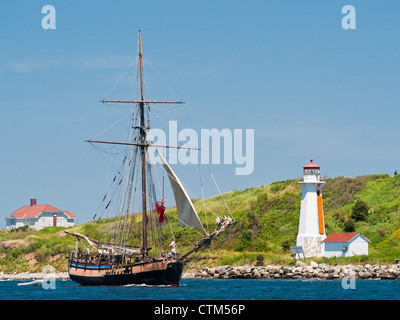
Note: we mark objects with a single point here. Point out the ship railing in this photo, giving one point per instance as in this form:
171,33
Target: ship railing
89,259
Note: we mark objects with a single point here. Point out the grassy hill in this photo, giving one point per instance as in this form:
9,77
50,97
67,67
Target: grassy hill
268,224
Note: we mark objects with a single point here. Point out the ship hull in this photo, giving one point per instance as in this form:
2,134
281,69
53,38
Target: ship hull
150,273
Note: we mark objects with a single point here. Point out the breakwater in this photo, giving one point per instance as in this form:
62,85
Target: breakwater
33,275
301,270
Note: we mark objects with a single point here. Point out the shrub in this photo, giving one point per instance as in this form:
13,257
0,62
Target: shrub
20,229
259,260
360,210
286,245
349,225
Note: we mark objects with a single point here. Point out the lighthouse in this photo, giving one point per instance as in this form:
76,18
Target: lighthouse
311,227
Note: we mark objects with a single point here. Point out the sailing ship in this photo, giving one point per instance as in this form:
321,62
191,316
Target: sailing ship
117,261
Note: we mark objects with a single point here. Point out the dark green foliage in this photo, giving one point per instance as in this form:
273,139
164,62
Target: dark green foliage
260,260
349,225
360,211
286,244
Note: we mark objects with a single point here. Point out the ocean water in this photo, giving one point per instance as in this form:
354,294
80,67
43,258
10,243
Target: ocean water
210,289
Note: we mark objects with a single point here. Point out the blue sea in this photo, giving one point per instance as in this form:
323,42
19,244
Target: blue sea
205,299
210,289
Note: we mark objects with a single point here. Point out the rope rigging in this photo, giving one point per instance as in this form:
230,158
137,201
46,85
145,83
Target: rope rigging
127,178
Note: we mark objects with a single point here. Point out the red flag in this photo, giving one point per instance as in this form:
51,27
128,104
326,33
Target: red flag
160,210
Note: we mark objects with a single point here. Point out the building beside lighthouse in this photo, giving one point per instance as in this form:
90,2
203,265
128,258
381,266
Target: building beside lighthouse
311,226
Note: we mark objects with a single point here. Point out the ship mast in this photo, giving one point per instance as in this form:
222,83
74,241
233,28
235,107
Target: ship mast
143,148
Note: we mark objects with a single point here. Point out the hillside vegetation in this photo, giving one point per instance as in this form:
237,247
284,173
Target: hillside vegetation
268,224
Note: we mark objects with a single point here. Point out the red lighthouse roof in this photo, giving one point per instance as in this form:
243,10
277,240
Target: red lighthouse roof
311,165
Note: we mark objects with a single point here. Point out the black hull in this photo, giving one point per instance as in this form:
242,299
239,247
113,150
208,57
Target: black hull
169,276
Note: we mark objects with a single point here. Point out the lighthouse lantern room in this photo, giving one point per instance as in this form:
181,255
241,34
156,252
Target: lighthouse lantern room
311,226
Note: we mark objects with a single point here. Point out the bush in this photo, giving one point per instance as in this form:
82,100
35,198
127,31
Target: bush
260,260
349,225
286,245
360,210
20,229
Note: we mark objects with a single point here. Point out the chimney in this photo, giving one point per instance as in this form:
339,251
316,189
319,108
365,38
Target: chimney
33,202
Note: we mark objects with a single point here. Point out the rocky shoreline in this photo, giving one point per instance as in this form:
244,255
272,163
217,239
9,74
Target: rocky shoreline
301,270
33,276
311,270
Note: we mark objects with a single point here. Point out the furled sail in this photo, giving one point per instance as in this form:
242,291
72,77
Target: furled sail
114,248
186,212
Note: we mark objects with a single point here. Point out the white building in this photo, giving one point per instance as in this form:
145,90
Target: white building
311,226
39,216
345,244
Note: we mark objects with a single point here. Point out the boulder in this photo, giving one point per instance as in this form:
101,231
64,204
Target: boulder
300,263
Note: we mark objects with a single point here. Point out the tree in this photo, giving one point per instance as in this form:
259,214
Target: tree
349,225
360,210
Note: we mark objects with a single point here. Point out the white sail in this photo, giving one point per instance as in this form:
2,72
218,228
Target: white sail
186,212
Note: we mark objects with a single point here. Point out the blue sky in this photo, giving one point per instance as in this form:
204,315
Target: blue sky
286,69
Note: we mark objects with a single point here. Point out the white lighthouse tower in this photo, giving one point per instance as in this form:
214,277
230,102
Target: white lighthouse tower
311,226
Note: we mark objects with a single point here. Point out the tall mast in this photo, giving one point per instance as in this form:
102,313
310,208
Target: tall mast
143,148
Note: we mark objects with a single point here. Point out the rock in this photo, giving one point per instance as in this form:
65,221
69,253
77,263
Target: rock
300,263
318,270
313,264
271,270
394,267
359,268
393,272
287,270
375,268
245,270
256,274
221,270
385,275
265,274
323,266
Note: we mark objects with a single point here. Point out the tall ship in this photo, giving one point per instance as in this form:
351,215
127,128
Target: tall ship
137,249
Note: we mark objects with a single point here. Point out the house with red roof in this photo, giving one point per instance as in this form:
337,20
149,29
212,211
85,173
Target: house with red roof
345,244
39,216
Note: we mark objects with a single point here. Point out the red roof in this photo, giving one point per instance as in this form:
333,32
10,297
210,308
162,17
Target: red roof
311,165
69,213
34,211
341,237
